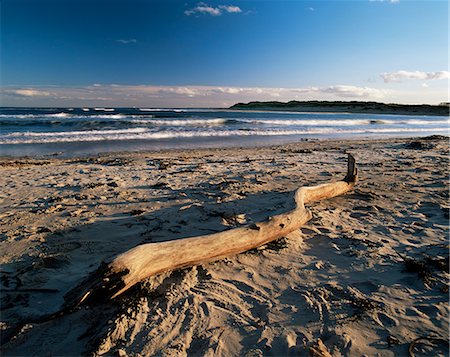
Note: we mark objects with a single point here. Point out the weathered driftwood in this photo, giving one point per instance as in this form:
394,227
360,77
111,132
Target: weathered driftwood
146,260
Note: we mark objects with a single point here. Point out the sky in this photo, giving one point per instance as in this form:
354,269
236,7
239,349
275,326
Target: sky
135,53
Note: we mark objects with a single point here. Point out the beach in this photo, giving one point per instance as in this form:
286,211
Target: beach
367,275
236,178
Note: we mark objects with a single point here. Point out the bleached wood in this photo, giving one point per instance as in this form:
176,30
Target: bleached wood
146,260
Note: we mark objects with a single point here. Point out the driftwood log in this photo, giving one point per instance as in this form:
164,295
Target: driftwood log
146,260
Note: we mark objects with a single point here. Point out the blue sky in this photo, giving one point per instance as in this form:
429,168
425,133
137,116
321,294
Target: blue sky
216,53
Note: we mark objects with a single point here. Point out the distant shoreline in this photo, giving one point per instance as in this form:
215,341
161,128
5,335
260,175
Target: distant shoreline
353,107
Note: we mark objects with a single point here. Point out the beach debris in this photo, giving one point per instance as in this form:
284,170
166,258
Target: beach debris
160,164
143,261
425,143
20,163
436,137
423,267
430,342
137,212
101,161
420,145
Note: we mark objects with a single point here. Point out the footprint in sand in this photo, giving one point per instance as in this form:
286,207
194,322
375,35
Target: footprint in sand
385,320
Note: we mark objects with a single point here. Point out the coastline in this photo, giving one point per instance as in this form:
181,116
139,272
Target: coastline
237,145
340,279
124,147
353,107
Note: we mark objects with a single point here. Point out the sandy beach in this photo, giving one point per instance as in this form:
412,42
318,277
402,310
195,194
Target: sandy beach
367,276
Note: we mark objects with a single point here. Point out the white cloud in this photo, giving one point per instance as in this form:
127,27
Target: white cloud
400,75
389,1
345,91
117,95
309,8
230,8
203,8
131,40
198,94
26,92
204,96
353,91
149,91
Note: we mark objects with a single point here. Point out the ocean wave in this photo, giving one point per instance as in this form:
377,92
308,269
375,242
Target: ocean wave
164,110
177,120
20,116
290,122
146,134
58,115
42,117
423,122
144,119
80,133
184,122
342,122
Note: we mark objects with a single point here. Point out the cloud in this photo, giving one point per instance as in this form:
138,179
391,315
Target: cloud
118,95
353,91
131,40
340,91
230,8
205,9
389,1
189,95
400,75
345,91
26,92
309,8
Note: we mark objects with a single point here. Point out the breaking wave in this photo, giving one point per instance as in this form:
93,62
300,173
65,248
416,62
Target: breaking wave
147,134
65,125
183,122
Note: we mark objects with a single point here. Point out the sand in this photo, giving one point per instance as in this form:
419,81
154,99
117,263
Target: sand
368,275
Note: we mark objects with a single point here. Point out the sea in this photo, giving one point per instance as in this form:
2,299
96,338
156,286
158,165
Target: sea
90,131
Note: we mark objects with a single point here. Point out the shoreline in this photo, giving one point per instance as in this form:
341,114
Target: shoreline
236,143
339,279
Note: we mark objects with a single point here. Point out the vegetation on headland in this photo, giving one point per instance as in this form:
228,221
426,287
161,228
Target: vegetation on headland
349,107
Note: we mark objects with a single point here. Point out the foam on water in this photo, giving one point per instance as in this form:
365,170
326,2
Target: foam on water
323,122
188,121
59,125
64,115
182,122
146,134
